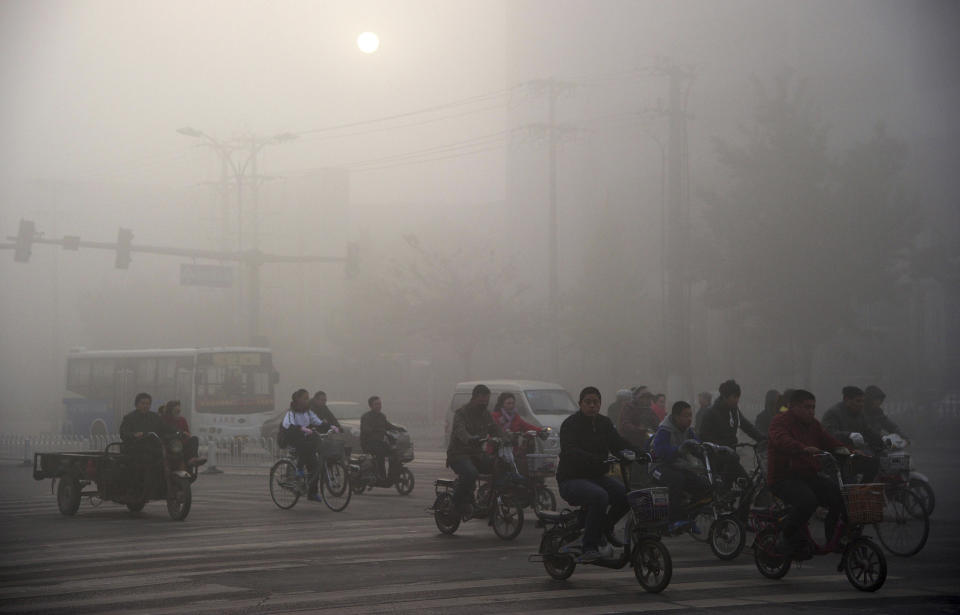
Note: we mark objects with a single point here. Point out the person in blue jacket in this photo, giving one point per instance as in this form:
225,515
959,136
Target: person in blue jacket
671,467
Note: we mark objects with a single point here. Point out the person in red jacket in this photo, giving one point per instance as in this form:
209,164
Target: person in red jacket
170,413
506,416
795,436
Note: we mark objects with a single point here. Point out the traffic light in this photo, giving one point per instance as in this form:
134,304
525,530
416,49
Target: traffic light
124,237
352,266
22,249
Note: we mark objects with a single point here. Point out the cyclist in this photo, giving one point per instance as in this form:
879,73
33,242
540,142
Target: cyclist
586,439
464,455
795,436
720,426
637,419
847,422
373,440
670,467
302,427
506,416
771,408
877,419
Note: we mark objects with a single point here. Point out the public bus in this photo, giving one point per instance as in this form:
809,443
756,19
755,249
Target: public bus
224,392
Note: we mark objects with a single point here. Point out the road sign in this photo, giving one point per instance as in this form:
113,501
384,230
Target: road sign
219,276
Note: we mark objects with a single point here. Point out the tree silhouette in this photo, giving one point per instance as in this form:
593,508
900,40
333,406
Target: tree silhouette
803,236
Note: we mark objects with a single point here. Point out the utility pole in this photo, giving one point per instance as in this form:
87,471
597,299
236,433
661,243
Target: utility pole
249,279
677,235
553,89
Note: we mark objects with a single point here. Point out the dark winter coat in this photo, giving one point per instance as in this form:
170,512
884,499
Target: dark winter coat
585,442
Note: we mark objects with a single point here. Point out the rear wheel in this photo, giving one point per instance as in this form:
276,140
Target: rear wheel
405,481
865,565
558,566
284,484
727,537
906,524
178,502
769,564
507,518
924,491
445,514
68,496
335,485
652,565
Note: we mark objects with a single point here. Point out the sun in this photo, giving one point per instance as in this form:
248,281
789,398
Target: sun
368,42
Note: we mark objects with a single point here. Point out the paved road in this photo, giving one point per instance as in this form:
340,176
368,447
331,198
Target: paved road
238,553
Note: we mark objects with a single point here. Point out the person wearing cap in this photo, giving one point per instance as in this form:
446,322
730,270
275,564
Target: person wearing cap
877,419
614,409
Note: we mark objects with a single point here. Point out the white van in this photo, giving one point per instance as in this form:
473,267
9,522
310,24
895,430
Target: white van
541,403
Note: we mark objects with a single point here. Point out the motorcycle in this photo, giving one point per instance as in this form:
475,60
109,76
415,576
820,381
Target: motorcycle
497,499
364,475
638,540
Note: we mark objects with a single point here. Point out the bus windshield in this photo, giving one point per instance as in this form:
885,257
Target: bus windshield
234,382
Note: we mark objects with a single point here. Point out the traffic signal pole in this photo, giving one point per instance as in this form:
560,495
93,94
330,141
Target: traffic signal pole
250,260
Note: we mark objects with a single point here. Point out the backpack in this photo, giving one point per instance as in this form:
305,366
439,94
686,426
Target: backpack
283,439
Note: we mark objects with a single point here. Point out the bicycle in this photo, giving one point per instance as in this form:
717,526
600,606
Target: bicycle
710,515
860,558
641,546
288,484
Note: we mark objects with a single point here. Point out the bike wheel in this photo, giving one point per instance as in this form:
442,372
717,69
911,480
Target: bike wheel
703,522
335,485
507,518
652,565
924,491
865,565
906,524
405,481
727,537
559,566
68,496
769,564
445,514
284,487
178,502
544,499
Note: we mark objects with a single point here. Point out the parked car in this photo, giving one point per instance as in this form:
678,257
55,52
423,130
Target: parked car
541,403
348,414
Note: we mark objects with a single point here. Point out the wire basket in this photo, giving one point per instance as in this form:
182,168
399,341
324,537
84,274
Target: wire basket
331,446
864,503
541,465
895,463
650,505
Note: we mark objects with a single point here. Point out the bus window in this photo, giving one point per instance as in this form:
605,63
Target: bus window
166,372
101,378
78,375
147,373
261,383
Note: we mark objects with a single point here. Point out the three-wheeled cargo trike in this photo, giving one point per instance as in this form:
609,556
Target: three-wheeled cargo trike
119,474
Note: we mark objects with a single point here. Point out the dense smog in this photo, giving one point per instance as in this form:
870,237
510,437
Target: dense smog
439,243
